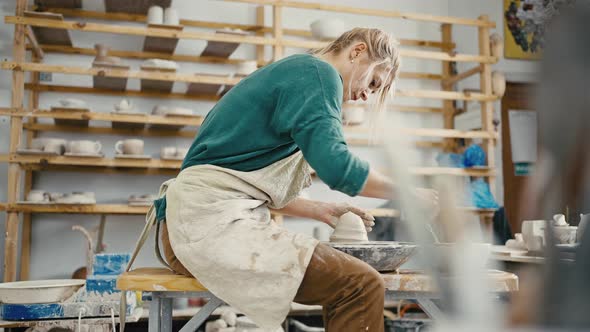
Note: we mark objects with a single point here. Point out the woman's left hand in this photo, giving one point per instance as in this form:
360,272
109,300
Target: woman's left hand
329,213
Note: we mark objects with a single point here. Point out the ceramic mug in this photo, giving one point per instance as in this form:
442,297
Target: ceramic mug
168,152
565,234
87,194
171,16
54,196
327,28
43,142
129,146
246,68
155,15
533,234
181,152
38,196
55,147
76,198
84,146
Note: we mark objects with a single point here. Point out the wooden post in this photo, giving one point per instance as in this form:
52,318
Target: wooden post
487,107
18,89
260,22
277,28
26,231
447,72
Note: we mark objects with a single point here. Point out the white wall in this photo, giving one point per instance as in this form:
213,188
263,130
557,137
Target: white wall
57,251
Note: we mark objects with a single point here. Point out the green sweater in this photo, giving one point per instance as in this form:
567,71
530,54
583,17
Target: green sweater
289,105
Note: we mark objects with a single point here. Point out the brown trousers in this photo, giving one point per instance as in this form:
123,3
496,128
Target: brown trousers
350,291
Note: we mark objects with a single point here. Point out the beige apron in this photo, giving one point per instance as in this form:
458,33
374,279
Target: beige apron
220,229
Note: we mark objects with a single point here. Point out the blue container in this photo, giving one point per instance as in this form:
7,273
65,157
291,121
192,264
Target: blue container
110,264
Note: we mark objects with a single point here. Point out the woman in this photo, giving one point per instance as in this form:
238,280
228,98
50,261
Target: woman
252,155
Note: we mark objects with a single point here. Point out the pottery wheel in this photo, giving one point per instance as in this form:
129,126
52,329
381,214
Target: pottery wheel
383,256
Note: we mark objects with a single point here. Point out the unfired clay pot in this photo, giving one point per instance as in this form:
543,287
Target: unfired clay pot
496,45
498,83
102,56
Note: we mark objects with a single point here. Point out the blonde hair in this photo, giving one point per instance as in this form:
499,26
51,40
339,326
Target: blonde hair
382,49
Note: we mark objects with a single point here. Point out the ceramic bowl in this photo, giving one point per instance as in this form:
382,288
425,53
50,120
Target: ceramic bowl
180,111
72,103
246,68
160,110
159,63
327,28
565,234
39,291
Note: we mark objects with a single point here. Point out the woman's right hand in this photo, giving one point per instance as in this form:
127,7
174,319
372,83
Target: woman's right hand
329,213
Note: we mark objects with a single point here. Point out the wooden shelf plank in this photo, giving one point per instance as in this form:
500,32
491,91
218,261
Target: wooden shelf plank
220,25
126,93
428,55
227,38
106,72
139,54
189,58
138,31
445,95
197,120
111,131
98,164
373,12
419,76
95,162
124,209
100,116
429,132
78,209
476,172
211,79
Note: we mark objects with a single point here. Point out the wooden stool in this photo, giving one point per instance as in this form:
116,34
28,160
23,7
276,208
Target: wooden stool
165,285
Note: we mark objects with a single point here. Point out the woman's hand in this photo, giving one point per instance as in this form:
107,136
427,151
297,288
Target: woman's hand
329,213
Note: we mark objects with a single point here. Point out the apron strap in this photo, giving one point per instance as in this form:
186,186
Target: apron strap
150,221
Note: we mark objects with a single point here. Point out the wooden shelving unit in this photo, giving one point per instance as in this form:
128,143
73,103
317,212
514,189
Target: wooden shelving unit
43,33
